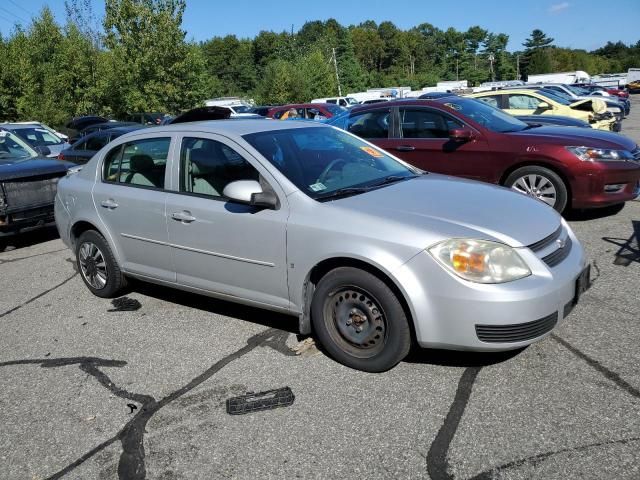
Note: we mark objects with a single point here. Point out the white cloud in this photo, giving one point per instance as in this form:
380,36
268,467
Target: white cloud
558,7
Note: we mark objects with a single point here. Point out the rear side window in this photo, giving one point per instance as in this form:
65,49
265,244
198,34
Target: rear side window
97,142
373,124
140,163
494,100
424,123
208,166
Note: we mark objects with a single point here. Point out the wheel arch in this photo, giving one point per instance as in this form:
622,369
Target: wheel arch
323,267
544,163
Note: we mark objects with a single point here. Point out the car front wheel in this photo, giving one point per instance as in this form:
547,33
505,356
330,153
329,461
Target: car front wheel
359,320
540,183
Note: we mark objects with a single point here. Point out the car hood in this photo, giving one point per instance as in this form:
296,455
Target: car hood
576,136
435,207
31,168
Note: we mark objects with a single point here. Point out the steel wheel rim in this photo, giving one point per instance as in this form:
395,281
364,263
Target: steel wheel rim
356,321
93,265
537,186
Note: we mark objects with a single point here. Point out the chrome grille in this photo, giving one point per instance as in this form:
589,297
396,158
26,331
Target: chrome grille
559,255
27,192
545,242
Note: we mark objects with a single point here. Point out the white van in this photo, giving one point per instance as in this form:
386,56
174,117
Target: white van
342,101
566,78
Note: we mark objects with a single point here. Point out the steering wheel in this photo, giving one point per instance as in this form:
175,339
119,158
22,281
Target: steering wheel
331,166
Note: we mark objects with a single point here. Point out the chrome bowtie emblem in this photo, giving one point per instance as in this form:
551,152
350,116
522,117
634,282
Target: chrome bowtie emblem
561,243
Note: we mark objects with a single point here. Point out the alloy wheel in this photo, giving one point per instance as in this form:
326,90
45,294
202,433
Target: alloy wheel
93,265
537,186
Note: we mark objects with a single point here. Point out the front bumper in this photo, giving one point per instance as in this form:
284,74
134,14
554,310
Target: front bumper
448,310
590,186
13,221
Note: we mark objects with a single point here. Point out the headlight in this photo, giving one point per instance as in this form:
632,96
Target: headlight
589,154
480,261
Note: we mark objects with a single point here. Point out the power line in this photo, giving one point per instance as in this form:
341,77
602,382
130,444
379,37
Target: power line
14,15
22,8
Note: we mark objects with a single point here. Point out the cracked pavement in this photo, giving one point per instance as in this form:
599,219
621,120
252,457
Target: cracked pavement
70,363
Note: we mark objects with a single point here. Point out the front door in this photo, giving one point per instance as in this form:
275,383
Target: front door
130,200
423,140
222,246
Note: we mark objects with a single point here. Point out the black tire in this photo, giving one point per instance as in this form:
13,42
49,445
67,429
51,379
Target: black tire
346,299
115,280
561,190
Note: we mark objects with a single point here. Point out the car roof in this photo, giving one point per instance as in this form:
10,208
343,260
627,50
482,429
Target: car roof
20,126
436,102
234,127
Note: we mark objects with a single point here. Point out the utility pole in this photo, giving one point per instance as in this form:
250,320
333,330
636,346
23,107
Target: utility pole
491,60
335,63
457,77
517,67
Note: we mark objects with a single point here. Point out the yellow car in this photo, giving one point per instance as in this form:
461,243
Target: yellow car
536,102
634,86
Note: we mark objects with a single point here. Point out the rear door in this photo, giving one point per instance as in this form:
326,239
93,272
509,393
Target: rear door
422,139
130,200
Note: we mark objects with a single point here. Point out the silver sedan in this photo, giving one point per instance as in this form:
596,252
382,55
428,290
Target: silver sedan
367,251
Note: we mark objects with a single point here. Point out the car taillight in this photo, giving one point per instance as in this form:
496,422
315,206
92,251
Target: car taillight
60,156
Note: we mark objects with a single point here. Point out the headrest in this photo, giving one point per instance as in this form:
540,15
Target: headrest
141,163
201,162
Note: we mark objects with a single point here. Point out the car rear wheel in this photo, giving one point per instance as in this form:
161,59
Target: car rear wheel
540,183
359,320
97,265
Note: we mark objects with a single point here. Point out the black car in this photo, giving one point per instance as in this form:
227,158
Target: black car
262,110
27,185
84,148
98,127
145,118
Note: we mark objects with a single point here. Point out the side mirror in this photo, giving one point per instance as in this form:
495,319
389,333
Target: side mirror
43,150
544,106
250,192
461,135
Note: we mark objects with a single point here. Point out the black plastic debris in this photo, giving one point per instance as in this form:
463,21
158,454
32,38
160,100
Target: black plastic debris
125,304
255,402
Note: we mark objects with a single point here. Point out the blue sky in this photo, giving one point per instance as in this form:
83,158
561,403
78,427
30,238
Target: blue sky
573,24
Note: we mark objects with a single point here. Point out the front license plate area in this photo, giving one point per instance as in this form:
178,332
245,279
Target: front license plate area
583,282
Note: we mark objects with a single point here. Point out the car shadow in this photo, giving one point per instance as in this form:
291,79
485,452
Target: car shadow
455,358
629,250
593,213
288,323
28,239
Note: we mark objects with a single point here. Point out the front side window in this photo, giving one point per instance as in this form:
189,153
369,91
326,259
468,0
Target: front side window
481,113
325,161
140,163
208,166
523,102
374,124
424,123
38,137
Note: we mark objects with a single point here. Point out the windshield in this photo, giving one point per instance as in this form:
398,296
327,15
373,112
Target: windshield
352,101
322,161
12,148
38,137
581,92
335,109
242,108
561,98
489,117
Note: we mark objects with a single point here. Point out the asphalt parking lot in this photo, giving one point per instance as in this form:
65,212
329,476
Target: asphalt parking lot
136,388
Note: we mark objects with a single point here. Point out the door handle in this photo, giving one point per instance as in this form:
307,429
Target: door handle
405,148
183,216
110,204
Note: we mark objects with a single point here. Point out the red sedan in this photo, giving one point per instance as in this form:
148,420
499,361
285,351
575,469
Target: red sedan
562,166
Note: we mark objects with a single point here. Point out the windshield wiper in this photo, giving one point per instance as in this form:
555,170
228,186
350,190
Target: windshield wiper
348,191
391,179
